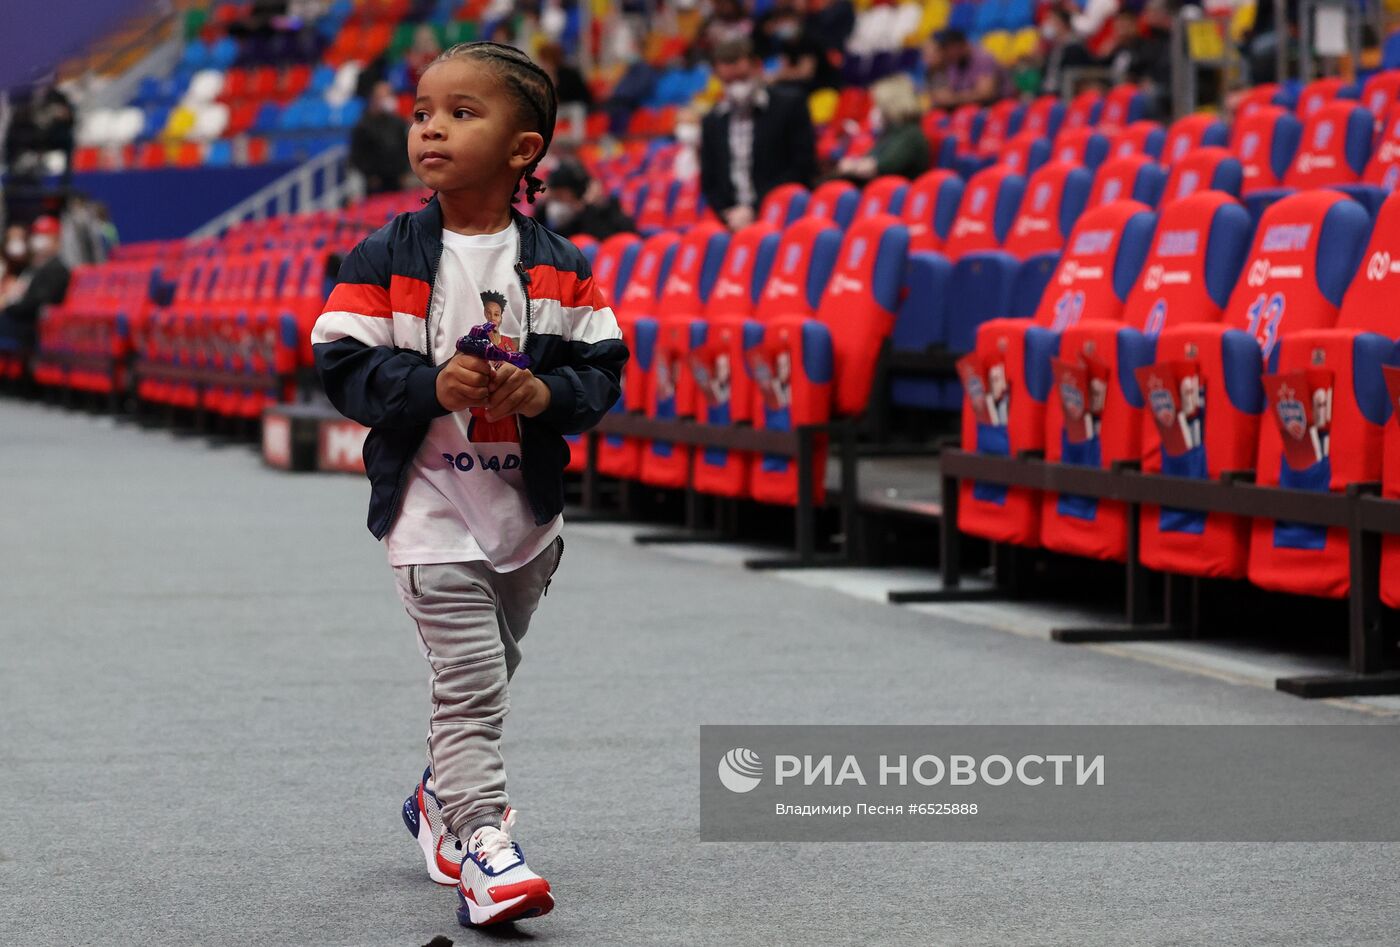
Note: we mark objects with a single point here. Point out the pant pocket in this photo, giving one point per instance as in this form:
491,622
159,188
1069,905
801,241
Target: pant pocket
558,558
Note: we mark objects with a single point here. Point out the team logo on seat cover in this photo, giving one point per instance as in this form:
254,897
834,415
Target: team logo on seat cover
1322,135
1292,415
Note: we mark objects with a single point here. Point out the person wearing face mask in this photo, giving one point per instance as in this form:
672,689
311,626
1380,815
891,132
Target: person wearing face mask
575,204
961,73
1062,50
16,251
44,283
379,142
686,165
754,139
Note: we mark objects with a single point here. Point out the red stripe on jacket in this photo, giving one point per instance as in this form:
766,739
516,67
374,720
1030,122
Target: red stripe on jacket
363,299
549,282
410,295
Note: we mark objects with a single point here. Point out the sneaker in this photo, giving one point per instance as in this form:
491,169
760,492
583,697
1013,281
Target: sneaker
496,883
441,849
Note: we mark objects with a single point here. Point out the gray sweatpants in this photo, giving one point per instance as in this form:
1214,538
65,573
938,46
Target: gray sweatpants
470,621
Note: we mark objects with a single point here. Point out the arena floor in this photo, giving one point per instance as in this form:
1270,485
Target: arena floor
213,708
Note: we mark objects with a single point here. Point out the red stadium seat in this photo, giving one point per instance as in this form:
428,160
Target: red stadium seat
835,200
1299,264
1383,170
1318,93
1055,197
930,205
1025,152
1192,132
883,195
783,205
1204,169
1258,97
1264,142
1083,110
669,392
1080,144
999,123
1135,177
1334,149
1043,117
1343,367
618,456
1139,138
1013,362
989,204
1124,105
1188,274
1380,92
807,370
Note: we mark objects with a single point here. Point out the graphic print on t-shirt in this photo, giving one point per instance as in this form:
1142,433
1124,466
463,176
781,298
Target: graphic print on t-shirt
479,429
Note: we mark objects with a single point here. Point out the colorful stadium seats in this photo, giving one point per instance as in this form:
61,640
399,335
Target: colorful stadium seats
1097,418
807,370
989,204
1012,364
1136,177
1329,389
1204,169
1304,252
1054,198
1264,141
930,204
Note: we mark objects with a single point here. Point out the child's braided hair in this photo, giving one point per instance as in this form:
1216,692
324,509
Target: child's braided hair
533,91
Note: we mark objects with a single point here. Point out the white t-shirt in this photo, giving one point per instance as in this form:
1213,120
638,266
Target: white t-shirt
464,499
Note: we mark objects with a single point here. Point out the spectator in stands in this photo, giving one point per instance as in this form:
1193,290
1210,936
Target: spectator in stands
576,204
830,23
568,80
961,73
1062,50
421,54
687,132
43,283
1261,42
901,147
754,139
728,22
379,142
16,253
786,33
633,89
1141,52
1093,23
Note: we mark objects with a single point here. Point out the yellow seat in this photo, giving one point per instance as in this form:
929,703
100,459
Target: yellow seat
936,13
822,104
1242,20
179,125
1024,43
998,44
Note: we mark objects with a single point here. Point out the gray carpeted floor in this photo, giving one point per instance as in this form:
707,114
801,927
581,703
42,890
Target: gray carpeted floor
213,708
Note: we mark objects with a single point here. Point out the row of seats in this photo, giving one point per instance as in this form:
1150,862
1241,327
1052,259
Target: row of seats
1196,344
219,325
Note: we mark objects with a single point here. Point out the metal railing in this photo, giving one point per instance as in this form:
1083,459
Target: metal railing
324,182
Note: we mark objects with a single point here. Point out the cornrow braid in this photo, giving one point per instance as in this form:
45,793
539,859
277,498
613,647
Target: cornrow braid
533,91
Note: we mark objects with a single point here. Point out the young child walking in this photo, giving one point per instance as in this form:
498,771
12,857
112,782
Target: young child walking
466,452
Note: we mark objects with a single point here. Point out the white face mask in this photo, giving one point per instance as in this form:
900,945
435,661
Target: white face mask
40,244
558,214
1050,31
14,247
389,104
741,92
688,134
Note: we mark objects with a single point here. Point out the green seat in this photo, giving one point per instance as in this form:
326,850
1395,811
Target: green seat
459,31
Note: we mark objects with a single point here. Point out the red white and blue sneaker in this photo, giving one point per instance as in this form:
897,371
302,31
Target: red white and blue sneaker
441,849
496,883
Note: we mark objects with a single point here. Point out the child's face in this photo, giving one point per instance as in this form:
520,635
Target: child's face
493,313
466,129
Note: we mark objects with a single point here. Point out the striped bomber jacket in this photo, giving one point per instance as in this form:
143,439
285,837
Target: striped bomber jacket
373,354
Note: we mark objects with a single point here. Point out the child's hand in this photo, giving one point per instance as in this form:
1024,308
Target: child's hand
515,391
464,383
